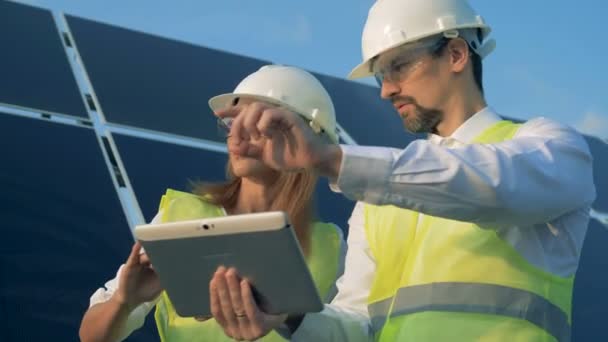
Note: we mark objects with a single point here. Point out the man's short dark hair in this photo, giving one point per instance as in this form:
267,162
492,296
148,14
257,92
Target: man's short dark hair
477,70
475,60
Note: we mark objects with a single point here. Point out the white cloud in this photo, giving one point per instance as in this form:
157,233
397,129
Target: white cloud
296,30
303,30
593,123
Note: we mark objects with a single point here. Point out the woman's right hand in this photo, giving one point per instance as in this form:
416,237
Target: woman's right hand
138,282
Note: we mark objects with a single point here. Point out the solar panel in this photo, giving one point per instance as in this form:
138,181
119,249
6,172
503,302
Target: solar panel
599,151
64,232
156,83
154,166
35,70
590,299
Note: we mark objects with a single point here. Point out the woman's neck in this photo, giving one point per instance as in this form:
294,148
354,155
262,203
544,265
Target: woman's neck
254,196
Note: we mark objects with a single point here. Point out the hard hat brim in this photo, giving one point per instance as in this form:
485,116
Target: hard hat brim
364,69
360,71
224,100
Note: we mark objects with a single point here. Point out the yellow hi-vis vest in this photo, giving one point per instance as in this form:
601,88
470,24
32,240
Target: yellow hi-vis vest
447,280
322,262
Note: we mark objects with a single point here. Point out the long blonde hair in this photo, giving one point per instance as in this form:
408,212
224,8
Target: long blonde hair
294,196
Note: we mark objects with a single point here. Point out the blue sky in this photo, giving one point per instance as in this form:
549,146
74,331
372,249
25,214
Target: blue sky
551,56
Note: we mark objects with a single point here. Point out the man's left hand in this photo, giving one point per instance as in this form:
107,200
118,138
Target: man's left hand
290,145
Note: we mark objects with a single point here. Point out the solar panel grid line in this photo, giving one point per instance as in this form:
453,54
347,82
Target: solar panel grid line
167,137
36,112
78,69
120,179
38,115
64,37
111,154
343,134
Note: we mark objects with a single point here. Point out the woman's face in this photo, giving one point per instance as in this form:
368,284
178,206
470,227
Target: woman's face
250,167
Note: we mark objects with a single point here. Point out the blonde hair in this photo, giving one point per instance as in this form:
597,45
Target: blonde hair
294,196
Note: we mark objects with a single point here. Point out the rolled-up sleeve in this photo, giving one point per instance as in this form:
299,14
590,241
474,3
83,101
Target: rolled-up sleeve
544,172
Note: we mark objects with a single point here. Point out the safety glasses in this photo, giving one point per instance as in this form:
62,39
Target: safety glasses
401,63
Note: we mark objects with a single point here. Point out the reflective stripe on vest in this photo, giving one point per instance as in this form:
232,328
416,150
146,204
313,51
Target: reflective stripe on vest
474,298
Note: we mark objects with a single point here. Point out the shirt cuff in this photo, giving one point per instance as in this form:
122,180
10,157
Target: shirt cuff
364,173
286,333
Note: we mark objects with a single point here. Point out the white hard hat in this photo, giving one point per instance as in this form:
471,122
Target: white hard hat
391,23
289,87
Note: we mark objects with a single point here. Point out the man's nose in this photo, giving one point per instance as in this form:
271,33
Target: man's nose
389,89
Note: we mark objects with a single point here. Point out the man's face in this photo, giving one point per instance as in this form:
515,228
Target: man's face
416,82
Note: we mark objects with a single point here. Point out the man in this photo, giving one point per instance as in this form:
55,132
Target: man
473,234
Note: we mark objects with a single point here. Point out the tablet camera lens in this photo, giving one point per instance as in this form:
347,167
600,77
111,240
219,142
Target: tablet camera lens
206,227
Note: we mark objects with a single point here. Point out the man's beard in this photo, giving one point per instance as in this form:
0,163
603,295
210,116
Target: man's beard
423,120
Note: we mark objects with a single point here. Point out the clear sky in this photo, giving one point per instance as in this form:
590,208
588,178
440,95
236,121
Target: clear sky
551,56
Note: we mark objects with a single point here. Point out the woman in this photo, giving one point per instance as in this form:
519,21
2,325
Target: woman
121,307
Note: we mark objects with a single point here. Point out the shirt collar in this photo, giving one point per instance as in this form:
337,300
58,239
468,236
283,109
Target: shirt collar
473,127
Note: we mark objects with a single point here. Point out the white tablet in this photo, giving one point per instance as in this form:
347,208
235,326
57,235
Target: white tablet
262,247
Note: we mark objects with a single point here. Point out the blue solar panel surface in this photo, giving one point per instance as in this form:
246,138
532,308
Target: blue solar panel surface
34,68
154,166
63,233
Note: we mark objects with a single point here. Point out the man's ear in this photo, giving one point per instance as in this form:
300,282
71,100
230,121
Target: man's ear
458,53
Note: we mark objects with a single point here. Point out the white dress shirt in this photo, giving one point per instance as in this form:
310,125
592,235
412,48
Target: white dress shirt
536,189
